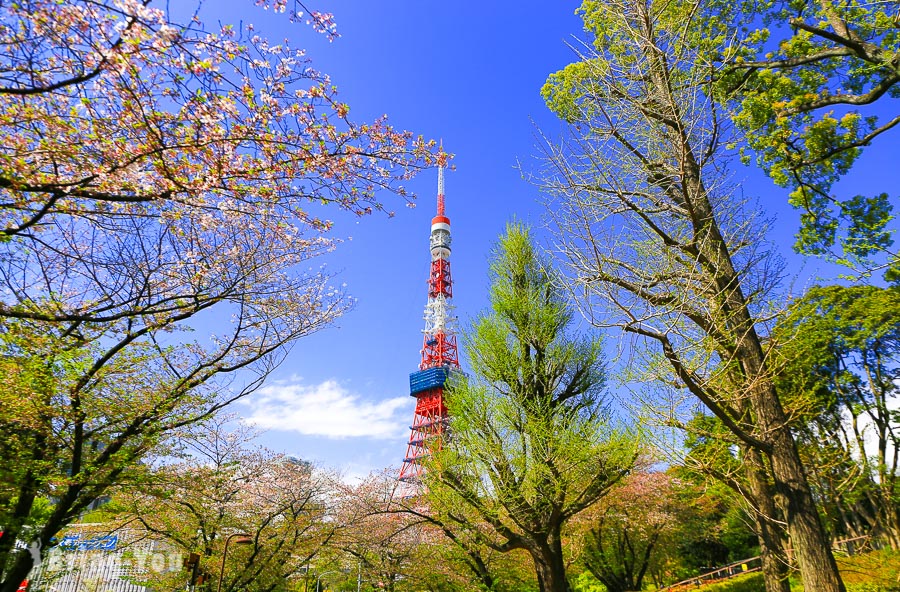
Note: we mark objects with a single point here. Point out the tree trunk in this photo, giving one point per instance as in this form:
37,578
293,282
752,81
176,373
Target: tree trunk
811,547
810,543
15,564
549,565
479,568
771,548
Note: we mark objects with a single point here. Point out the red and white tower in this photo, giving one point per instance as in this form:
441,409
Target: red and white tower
439,353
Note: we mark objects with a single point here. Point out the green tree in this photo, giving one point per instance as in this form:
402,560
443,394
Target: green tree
531,444
26,391
657,244
715,526
811,84
840,348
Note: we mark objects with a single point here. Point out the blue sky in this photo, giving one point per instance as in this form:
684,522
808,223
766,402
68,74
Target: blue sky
468,73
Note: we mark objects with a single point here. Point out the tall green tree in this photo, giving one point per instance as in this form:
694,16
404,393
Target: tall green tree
811,83
77,417
840,347
531,443
657,244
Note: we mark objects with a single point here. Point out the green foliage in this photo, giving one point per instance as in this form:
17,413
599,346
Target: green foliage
534,398
572,93
829,336
717,527
876,571
709,444
78,410
840,352
871,587
805,83
713,527
586,582
64,425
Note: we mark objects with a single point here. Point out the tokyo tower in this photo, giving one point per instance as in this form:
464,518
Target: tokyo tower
439,353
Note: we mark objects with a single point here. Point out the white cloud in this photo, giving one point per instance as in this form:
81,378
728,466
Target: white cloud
325,409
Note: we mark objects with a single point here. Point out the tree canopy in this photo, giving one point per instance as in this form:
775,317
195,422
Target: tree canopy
840,347
812,84
155,173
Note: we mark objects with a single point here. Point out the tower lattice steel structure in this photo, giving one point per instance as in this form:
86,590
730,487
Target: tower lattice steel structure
439,350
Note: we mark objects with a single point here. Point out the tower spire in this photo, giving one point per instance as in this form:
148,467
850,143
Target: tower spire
439,349
440,197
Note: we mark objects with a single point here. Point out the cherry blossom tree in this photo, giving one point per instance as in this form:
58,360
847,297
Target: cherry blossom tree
145,163
397,543
221,485
154,173
626,530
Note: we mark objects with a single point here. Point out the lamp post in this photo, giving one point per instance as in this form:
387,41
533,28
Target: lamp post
243,540
320,577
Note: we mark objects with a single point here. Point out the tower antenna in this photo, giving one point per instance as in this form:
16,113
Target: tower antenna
439,351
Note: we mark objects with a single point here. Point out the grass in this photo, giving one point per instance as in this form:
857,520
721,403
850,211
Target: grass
878,571
745,583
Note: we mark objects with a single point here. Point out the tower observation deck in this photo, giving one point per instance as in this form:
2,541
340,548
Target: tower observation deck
439,350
